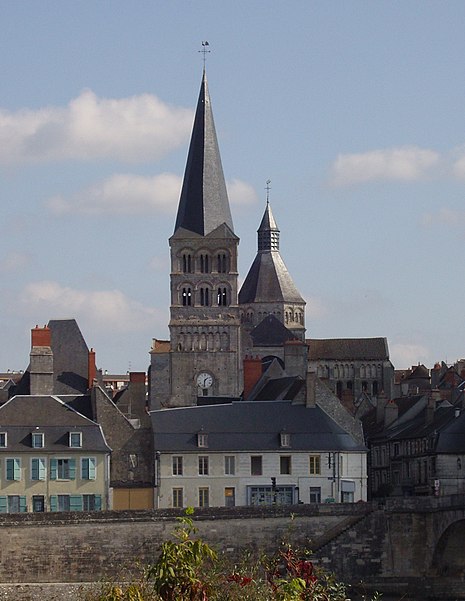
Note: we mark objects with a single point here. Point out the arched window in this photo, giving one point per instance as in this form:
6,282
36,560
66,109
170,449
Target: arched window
204,264
187,263
204,297
222,297
186,297
222,263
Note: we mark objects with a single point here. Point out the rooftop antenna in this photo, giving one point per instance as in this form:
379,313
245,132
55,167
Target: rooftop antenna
204,51
268,188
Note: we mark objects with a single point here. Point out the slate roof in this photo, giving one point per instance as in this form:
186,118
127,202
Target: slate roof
271,332
249,426
22,415
203,205
348,349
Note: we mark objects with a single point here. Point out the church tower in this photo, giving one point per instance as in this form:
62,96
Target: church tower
268,289
204,355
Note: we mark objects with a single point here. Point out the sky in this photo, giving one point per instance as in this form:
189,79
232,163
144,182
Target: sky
355,110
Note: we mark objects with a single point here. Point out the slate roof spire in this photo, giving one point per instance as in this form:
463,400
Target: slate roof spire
203,205
268,232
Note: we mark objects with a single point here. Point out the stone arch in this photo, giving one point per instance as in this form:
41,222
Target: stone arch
448,557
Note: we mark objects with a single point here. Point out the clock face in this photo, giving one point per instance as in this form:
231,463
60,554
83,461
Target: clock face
204,380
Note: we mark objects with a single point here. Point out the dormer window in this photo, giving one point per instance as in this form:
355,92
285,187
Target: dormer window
37,440
75,440
202,440
285,440
2,440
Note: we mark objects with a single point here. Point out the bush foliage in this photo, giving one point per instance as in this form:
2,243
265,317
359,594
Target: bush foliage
188,569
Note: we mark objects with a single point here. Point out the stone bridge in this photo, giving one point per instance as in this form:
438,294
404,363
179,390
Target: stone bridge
414,546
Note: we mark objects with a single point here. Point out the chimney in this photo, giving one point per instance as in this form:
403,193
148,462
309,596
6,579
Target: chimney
136,395
391,412
252,373
41,362
380,406
310,399
433,398
91,368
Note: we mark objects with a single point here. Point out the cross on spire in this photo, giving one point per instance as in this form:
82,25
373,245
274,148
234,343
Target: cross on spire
204,51
268,188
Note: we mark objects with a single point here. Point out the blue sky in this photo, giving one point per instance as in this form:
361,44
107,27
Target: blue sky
354,110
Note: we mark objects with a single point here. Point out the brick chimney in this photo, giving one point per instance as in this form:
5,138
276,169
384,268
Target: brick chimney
91,368
252,373
137,397
41,362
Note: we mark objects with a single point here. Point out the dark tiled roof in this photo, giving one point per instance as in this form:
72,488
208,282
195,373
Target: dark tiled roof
204,204
268,280
249,426
271,332
348,349
22,415
70,357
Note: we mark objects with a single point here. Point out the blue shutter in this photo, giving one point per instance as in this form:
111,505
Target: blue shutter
92,469
41,470
85,468
53,501
98,502
53,472
72,469
75,503
17,469
35,469
3,504
22,504
9,469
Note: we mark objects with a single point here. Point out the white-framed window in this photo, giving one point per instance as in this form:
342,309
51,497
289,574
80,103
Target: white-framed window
62,468
178,497
285,440
203,465
229,465
88,468
37,440
285,464
204,496
256,468
38,468
75,440
177,465
202,440
13,468
3,438
315,465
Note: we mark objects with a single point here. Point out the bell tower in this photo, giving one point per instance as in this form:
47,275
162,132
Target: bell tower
204,355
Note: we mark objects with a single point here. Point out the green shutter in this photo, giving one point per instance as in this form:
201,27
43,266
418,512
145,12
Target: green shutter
41,469
22,504
35,469
53,499
53,473
3,504
92,468
75,503
85,468
17,469
72,469
98,502
10,471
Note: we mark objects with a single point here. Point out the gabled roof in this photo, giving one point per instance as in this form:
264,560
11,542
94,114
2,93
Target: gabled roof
22,415
203,204
348,349
249,426
271,332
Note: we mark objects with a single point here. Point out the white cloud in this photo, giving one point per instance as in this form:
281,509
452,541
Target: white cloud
122,194
128,129
403,356
240,193
99,310
14,261
128,194
406,163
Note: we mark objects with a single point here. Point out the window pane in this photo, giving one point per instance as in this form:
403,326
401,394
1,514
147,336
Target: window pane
285,464
256,465
229,465
177,465
315,465
177,497
204,500
203,465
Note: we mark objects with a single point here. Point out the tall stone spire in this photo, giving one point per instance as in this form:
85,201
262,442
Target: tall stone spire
204,204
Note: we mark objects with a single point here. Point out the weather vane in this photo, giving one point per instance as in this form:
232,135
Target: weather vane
268,188
204,51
